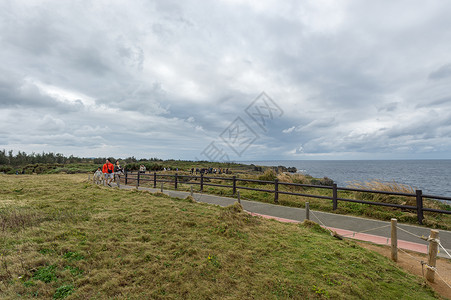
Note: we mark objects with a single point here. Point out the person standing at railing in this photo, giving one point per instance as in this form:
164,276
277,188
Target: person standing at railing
118,171
107,170
142,169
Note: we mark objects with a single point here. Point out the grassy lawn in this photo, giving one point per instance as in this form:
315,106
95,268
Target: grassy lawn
62,237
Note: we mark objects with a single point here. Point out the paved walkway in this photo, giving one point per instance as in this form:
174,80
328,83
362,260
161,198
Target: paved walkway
364,229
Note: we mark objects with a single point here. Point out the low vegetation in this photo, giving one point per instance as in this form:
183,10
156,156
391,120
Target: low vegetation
65,238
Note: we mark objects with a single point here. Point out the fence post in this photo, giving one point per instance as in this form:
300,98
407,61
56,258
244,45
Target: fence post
432,255
162,185
394,240
238,197
201,182
276,190
191,191
126,177
234,185
154,180
334,196
175,181
137,180
419,195
307,211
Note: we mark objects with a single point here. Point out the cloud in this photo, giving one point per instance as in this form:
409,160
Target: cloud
289,130
166,78
441,73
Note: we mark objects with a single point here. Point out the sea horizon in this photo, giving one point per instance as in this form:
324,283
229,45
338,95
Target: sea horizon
432,176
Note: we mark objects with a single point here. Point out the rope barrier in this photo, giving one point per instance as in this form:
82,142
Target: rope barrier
415,235
420,261
423,263
440,244
322,223
355,232
442,279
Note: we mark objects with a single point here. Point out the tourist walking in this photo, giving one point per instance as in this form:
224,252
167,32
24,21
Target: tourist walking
107,170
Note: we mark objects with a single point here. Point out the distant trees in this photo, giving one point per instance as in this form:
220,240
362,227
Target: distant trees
22,158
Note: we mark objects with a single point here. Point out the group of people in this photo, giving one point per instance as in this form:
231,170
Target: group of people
112,172
109,172
211,171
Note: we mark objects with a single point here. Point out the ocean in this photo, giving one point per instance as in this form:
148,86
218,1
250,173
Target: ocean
433,177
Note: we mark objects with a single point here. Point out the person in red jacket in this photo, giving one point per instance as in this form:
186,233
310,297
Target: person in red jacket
108,171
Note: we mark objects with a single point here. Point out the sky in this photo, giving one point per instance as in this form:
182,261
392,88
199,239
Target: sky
227,79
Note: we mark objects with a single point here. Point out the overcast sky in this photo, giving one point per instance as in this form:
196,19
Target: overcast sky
184,79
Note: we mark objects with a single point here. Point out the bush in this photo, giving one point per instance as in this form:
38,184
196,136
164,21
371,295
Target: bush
269,175
323,181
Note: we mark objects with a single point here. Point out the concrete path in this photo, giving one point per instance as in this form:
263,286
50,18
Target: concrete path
348,226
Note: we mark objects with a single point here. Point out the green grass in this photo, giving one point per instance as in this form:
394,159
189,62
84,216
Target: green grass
81,241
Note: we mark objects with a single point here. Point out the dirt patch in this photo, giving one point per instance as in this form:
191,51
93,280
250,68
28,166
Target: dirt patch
411,262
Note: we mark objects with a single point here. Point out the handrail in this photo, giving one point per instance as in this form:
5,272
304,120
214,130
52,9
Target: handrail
418,193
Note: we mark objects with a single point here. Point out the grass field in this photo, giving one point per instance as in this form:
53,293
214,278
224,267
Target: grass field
62,237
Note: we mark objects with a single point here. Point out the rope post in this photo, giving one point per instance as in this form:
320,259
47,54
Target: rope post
432,255
234,185
162,187
137,180
334,196
126,177
175,181
276,190
307,211
394,240
191,191
238,197
419,196
154,180
201,182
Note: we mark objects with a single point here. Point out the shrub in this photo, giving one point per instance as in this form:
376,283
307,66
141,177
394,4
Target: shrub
269,175
323,181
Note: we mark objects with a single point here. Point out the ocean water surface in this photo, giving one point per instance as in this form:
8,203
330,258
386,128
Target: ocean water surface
433,177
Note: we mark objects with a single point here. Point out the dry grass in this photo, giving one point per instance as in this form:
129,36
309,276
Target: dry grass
379,185
293,178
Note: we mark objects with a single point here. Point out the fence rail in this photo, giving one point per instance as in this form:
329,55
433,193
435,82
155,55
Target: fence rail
202,181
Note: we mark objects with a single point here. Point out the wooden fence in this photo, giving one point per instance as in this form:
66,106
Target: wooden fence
176,179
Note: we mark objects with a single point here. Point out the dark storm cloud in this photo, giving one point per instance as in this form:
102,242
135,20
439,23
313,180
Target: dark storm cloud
26,95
